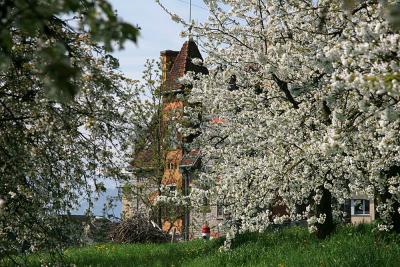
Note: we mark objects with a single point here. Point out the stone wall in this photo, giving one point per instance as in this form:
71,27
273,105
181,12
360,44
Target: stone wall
209,215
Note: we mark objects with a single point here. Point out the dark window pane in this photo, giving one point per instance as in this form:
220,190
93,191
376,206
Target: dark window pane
358,206
361,206
220,210
366,205
205,201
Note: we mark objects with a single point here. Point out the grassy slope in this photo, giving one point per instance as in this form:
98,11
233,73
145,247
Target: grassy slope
290,247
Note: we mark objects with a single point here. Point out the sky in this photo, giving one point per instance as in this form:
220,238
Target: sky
158,31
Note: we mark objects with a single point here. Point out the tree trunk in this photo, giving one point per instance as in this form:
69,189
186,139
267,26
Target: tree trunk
395,215
325,207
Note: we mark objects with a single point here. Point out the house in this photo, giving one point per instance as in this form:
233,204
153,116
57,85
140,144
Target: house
175,166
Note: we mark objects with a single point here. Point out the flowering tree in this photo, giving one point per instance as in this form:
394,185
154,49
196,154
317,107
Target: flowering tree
364,95
300,109
66,116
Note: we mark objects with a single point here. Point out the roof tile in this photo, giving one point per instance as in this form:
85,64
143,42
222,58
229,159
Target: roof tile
183,63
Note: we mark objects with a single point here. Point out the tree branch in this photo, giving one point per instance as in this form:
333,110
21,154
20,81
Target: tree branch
283,86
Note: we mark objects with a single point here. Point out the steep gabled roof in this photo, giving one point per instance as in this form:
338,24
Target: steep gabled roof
182,64
190,159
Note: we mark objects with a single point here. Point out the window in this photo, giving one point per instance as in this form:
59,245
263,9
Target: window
220,210
170,166
359,207
171,188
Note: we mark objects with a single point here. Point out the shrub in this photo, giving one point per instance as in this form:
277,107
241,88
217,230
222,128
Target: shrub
138,229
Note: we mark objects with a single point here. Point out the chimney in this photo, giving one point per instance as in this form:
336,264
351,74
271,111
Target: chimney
167,60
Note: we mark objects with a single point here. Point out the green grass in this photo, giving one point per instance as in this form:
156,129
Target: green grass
350,246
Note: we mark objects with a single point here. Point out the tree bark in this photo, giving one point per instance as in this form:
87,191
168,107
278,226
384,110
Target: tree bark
283,86
395,215
325,207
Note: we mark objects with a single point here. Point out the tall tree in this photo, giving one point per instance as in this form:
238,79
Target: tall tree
148,159
66,115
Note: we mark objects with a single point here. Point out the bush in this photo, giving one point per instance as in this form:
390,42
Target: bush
138,229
